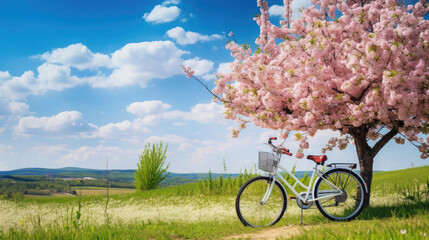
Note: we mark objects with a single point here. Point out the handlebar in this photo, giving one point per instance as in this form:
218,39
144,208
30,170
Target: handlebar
283,149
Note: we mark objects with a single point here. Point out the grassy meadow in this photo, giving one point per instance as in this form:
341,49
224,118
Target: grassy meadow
89,191
399,210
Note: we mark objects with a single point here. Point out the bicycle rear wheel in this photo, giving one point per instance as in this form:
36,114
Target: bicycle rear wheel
346,206
250,209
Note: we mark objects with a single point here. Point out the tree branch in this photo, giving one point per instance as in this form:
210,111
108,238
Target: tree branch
383,141
362,94
338,91
205,86
190,74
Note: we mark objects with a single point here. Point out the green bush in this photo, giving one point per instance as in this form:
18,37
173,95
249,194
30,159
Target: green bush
150,171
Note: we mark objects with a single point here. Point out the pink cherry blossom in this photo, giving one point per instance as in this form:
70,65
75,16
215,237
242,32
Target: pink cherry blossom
369,67
299,154
365,71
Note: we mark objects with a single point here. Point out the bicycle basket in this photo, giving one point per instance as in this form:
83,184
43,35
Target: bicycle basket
266,161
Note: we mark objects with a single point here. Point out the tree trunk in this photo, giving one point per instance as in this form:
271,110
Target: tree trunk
365,157
366,168
366,154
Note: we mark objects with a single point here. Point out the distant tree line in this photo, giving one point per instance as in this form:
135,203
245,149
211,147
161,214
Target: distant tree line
17,186
101,183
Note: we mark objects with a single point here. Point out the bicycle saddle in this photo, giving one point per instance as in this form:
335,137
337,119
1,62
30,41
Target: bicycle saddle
317,158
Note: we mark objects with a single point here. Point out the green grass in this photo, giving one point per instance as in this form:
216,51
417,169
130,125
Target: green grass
191,211
143,230
416,227
386,182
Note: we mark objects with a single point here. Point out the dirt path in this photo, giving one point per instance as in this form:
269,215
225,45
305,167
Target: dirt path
273,232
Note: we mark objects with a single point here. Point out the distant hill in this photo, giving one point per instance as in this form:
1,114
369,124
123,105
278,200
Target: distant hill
117,178
73,171
47,171
120,175
114,175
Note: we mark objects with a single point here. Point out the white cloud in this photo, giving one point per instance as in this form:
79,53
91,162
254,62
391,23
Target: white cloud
18,108
277,10
69,123
168,2
147,107
55,77
97,156
50,150
162,14
78,56
224,68
94,157
150,120
50,77
137,63
20,87
152,112
206,113
209,77
203,113
200,66
133,64
183,38
12,109
217,147
124,129
5,76
263,137
184,143
167,138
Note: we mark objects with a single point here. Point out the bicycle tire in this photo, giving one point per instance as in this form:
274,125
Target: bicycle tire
346,206
248,205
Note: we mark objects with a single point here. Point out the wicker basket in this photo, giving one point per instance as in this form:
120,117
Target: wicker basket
266,161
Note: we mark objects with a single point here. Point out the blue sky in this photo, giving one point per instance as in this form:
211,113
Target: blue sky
86,82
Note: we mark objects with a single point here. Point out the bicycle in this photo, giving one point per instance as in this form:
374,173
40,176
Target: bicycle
339,193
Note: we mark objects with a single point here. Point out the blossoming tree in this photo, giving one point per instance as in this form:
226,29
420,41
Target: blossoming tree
364,73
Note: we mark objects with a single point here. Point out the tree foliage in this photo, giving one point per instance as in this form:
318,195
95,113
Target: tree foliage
364,73
150,171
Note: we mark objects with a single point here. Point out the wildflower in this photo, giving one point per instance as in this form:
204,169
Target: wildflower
22,221
403,231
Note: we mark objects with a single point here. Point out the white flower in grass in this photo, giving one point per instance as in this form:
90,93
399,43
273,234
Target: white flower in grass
403,231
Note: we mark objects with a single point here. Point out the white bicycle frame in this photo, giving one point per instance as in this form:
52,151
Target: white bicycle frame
275,174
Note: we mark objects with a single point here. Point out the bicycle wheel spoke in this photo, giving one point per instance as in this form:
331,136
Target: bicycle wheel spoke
342,206
250,209
345,183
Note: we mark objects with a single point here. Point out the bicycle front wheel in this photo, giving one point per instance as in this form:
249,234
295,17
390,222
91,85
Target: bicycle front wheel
344,204
251,209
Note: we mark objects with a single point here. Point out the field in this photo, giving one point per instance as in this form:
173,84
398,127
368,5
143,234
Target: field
88,191
399,210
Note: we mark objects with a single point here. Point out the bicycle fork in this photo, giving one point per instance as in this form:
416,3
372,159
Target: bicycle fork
268,192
